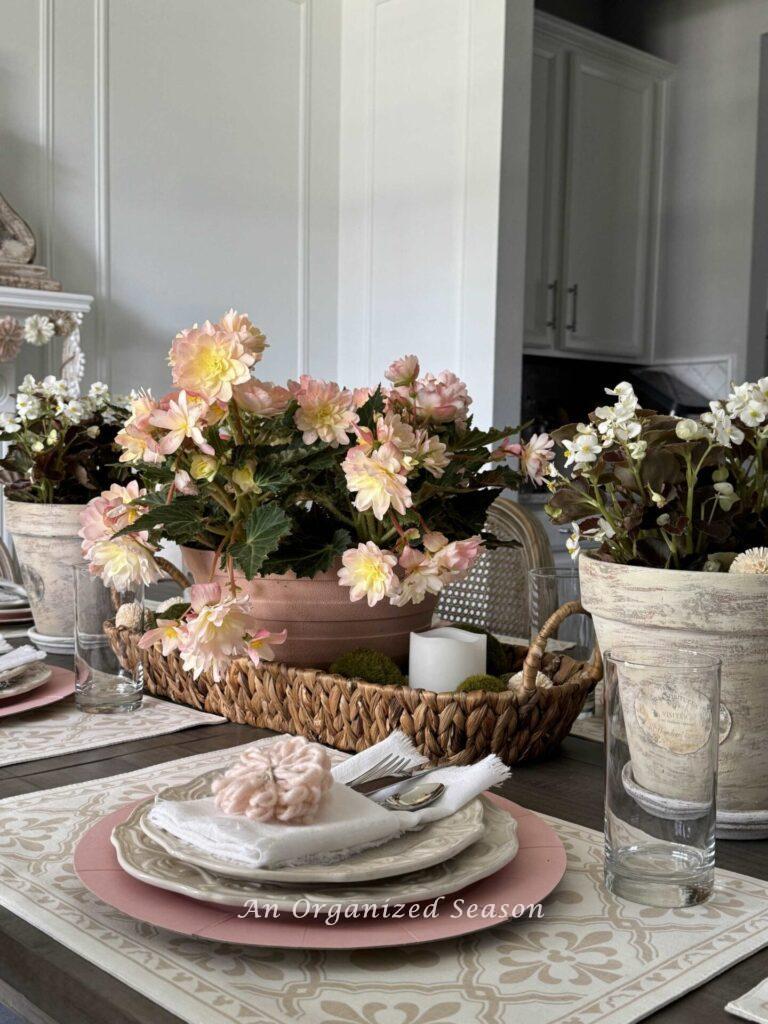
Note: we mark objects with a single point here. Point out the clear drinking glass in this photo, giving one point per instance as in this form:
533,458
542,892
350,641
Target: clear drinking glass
662,712
548,590
101,684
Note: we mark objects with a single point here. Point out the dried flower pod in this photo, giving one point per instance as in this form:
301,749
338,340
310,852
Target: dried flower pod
754,560
284,781
11,338
65,322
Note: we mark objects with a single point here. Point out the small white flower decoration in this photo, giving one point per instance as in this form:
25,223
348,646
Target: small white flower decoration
38,330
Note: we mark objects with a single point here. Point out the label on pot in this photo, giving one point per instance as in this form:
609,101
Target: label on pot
678,722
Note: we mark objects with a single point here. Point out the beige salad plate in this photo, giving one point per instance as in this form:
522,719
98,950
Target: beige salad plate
29,678
436,842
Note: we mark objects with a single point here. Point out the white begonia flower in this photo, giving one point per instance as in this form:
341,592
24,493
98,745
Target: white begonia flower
663,519
739,398
572,544
8,425
623,390
585,447
27,406
606,530
98,392
28,385
53,437
689,430
724,488
753,413
73,410
93,431
722,429
37,446
637,449
762,388
38,330
658,499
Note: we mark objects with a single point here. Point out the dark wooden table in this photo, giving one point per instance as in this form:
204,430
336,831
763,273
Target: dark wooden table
45,982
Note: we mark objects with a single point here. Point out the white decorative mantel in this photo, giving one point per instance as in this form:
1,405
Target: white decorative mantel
23,302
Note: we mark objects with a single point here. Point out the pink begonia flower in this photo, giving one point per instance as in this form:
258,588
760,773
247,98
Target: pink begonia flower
258,647
360,396
250,337
441,399
537,454
456,558
325,411
369,572
123,563
391,429
111,511
262,397
377,480
183,482
217,632
182,420
432,453
209,362
168,634
403,371
422,577
138,446
142,407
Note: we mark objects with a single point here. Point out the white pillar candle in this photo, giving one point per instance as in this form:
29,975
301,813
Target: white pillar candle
442,658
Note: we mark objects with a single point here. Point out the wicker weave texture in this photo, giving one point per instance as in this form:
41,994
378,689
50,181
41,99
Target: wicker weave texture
495,594
351,715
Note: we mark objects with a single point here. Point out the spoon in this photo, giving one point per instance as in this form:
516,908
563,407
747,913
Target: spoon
415,798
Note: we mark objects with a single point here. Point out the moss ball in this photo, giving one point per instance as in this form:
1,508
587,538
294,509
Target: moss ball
482,682
372,666
496,660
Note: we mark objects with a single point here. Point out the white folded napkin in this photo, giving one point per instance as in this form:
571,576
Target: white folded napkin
19,657
347,822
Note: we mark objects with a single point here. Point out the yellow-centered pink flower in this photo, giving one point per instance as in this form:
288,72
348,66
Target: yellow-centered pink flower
377,480
209,362
369,572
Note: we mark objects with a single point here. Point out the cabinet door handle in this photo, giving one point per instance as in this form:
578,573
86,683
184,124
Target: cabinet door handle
573,291
552,289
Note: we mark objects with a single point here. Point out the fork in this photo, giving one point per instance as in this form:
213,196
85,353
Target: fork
382,782
392,764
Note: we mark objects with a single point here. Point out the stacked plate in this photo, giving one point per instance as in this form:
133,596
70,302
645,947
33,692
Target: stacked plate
443,857
16,681
14,606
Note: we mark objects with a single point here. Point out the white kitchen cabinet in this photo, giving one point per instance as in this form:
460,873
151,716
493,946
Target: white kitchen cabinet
597,140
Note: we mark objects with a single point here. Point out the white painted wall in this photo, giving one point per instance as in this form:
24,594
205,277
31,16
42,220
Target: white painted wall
329,166
176,158
709,187
420,156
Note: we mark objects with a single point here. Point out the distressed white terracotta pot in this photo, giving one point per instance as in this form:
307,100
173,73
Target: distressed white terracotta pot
47,546
720,614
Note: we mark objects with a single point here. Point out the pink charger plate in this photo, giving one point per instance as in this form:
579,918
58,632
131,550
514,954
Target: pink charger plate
60,685
533,874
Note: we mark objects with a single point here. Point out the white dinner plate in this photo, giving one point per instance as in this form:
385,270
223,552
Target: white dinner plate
142,858
437,841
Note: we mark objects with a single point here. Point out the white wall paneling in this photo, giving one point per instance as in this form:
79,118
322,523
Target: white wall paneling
421,104
174,159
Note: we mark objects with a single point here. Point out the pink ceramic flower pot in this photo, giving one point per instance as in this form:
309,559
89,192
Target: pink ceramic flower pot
321,620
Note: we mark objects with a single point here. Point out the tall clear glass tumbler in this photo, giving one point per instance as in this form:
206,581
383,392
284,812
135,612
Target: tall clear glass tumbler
102,686
662,717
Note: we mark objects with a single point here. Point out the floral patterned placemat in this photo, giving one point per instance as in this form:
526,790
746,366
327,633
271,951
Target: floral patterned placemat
753,1005
591,957
61,729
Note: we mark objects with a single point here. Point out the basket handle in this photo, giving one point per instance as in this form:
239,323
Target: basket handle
593,670
176,574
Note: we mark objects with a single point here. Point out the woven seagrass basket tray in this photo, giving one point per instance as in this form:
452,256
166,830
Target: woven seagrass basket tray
350,714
